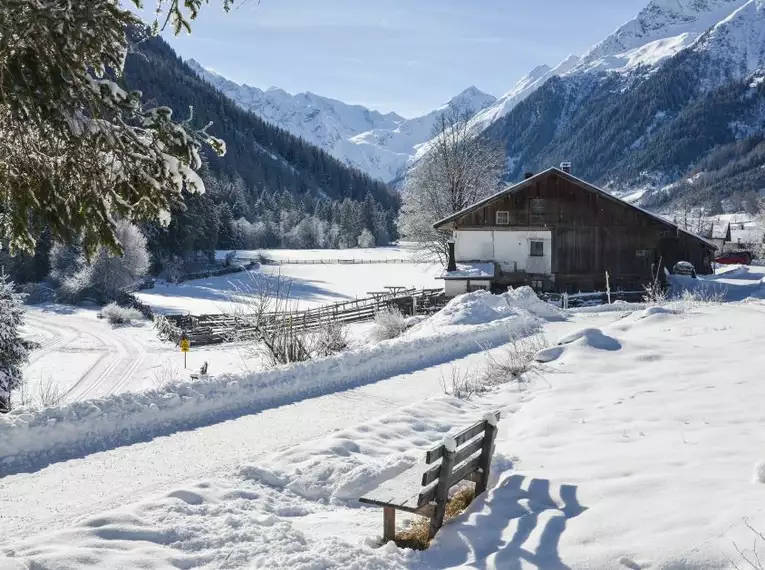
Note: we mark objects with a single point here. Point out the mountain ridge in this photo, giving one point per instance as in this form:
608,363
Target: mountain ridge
378,144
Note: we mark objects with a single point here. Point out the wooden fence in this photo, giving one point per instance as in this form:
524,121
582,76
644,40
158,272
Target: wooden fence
333,261
221,328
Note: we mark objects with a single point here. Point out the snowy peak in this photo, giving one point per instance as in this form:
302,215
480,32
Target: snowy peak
379,144
735,46
471,100
661,29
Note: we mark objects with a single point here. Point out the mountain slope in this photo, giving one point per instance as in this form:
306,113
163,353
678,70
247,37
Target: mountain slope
263,155
271,189
652,125
661,30
375,143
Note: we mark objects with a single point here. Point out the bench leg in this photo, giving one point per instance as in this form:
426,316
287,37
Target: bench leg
389,524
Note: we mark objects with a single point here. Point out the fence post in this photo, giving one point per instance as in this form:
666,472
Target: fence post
442,492
608,288
484,462
565,300
414,305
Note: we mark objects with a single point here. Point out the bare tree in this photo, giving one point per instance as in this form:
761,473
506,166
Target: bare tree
459,169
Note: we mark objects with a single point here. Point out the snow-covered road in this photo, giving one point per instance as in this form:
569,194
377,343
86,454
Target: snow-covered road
63,492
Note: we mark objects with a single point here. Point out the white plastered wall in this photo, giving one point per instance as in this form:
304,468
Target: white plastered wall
509,248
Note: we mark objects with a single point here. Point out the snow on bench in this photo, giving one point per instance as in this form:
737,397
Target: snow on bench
465,456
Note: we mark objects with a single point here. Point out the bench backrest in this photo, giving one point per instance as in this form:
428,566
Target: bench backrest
473,452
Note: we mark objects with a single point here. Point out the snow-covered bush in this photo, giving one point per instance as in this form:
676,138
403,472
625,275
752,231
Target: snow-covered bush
329,339
702,296
366,239
112,273
462,385
655,294
36,293
45,393
117,315
516,362
389,323
13,351
107,274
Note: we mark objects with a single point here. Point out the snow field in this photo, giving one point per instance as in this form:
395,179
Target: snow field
56,433
634,450
82,357
310,286
402,252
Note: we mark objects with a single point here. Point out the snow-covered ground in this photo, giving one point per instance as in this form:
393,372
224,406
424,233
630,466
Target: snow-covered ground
399,253
310,285
83,357
636,448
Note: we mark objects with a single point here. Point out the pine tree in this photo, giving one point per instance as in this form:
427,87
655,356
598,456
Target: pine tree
70,134
13,351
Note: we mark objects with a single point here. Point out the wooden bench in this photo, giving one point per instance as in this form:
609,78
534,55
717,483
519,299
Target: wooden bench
426,494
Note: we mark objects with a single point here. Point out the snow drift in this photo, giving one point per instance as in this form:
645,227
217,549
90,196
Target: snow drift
483,307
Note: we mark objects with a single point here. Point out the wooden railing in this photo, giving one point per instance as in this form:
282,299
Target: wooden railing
221,328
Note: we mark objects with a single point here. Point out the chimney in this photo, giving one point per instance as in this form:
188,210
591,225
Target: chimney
527,175
452,266
566,167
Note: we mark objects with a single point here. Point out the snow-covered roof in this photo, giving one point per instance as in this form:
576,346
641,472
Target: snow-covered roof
470,271
749,235
717,230
578,181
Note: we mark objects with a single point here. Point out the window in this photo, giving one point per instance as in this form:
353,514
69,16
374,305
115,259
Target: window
503,218
537,249
476,287
538,206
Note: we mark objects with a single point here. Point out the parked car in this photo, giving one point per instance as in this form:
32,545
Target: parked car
684,268
735,257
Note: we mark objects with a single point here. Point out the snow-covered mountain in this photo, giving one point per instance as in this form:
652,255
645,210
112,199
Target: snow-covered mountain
662,29
378,144
675,95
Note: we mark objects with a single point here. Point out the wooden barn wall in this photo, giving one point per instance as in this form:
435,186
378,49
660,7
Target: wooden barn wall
591,234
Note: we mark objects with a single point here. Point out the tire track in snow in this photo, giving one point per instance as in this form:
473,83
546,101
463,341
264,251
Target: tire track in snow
120,356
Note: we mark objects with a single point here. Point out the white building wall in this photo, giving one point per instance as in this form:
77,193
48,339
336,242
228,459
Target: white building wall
474,246
510,249
454,287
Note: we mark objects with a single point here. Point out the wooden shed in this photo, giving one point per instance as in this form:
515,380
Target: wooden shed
558,233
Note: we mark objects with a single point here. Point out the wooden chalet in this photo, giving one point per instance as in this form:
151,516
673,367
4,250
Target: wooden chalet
557,233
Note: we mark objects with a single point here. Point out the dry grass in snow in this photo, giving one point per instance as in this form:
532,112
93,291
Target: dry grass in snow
416,536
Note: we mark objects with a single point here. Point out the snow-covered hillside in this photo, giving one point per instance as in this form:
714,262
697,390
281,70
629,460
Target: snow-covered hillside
661,30
378,144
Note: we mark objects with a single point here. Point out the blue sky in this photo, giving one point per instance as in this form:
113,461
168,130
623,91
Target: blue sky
407,56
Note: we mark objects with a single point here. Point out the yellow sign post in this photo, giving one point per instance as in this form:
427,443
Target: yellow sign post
185,347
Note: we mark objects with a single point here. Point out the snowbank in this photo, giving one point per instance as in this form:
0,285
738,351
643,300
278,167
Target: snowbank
54,434
483,307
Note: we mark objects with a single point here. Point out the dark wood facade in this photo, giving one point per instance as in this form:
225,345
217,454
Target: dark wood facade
592,233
